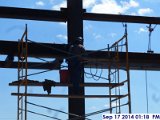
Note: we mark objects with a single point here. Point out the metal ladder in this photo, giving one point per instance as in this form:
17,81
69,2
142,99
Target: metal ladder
116,104
22,76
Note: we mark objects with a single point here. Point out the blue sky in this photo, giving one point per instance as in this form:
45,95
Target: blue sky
96,35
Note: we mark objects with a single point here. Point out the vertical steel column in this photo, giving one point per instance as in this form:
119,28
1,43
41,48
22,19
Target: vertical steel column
75,29
128,73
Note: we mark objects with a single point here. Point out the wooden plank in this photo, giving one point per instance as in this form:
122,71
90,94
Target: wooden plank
68,96
69,85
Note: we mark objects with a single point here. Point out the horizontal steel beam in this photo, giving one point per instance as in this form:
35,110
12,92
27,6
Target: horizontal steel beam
61,16
32,65
100,59
121,18
32,14
146,65
47,50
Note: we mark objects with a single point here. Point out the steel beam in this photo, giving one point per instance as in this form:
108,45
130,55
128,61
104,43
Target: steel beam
32,14
75,29
61,16
121,18
33,65
100,59
152,65
47,50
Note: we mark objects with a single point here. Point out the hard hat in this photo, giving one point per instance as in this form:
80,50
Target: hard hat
79,40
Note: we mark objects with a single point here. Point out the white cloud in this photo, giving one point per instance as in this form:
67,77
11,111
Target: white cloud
129,4
97,36
88,28
107,6
141,30
61,5
112,7
112,35
145,11
133,3
62,36
40,3
63,23
88,3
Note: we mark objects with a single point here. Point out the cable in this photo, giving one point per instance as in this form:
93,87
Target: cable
93,113
68,57
50,47
40,114
38,72
98,77
43,59
95,76
51,109
146,81
66,52
56,110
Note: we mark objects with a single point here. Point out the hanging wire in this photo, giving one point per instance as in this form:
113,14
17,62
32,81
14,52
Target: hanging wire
86,73
43,60
93,113
66,52
98,77
146,81
51,109
52,48
37,73
69,57
40,114
95,76
56,110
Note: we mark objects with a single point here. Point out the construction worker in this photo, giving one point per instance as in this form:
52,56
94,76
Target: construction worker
76,63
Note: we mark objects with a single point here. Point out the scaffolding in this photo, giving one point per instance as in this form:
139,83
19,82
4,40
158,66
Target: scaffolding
117,98
114,76
22,76
74,16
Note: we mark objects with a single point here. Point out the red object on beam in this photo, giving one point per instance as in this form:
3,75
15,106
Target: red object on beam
64,76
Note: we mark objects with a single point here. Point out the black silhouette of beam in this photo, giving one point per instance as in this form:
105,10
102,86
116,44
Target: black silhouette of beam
101,59
32,14
121,18
61,16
